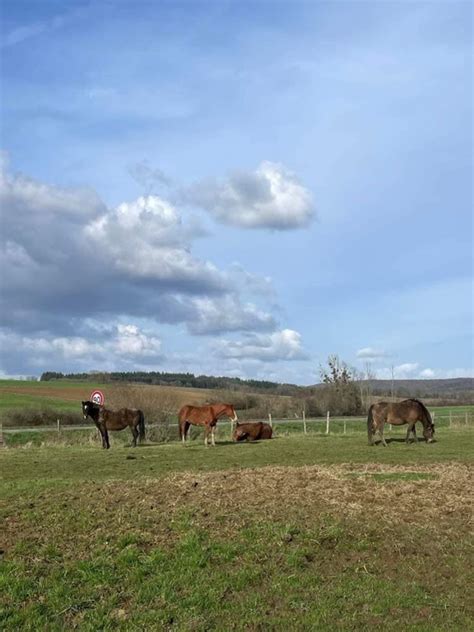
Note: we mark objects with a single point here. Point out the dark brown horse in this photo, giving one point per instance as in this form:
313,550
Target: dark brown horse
106,420
206,416
409,411
252,431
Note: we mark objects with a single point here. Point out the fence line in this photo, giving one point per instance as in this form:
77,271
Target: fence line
452,421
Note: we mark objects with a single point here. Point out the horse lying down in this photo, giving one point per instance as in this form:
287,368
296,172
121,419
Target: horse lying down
252,431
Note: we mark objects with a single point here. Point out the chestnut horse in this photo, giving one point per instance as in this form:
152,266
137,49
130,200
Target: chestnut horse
252,431
206,416
106,420
409,411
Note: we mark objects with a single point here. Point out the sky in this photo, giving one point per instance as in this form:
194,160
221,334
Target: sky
236,188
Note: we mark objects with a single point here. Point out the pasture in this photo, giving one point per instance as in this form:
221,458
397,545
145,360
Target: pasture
67,394
300,532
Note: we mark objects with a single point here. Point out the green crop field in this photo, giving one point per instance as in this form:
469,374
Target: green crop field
299,533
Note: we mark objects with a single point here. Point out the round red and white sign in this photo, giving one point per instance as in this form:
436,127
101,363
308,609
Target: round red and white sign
97,397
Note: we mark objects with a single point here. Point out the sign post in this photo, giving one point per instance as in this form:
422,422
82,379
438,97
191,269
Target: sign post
97,397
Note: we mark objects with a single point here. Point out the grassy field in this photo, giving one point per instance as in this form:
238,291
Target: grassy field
298,533
67,394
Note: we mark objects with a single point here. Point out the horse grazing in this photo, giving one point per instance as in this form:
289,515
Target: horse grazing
206,416
106,420
409,411
252,431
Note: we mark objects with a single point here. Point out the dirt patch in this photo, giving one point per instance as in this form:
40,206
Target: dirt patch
273,490
230,500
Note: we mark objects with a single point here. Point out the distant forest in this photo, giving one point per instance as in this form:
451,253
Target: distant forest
188,380
460,389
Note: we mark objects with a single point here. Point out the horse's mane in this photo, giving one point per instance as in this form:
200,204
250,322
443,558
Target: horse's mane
426,412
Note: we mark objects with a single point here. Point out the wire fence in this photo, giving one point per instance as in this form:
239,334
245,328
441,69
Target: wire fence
311,425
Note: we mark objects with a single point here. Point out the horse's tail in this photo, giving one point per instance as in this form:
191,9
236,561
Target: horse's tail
141,426
370,423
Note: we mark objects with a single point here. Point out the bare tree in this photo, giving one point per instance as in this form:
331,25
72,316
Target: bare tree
343,393
365,378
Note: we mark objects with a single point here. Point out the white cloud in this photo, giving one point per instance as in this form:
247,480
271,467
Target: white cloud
131,341
126,342
146,238
269,197
427,373
369,353
66,256
441,374
401,371
227,313
280,345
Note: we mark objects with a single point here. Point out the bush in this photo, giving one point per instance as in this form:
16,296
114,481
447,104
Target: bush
36,417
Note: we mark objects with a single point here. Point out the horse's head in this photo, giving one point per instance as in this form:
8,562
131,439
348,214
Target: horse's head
89,409
86,409
428,433
239,434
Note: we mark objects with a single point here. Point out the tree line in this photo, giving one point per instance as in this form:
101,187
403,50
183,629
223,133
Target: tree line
189,380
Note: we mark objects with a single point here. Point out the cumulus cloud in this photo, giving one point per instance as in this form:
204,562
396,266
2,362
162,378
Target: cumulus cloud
65,257
280,345
369,353
269,197
226,314
146,238
125,343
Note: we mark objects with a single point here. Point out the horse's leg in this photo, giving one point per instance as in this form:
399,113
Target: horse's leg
213,438
414,433
102,431
407,438
105,439
206,435
381,435
183,430
135,435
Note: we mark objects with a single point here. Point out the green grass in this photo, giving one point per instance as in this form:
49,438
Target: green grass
270,577
34,466
18,401
21,399
155,539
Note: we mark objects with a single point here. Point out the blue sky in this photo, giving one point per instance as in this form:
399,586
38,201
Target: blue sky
237,188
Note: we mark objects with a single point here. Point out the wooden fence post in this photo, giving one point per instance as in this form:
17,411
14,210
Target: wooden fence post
270,419
59,426
344,425
327,423
304,422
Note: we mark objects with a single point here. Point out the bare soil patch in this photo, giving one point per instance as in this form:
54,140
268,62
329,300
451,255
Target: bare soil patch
231,500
